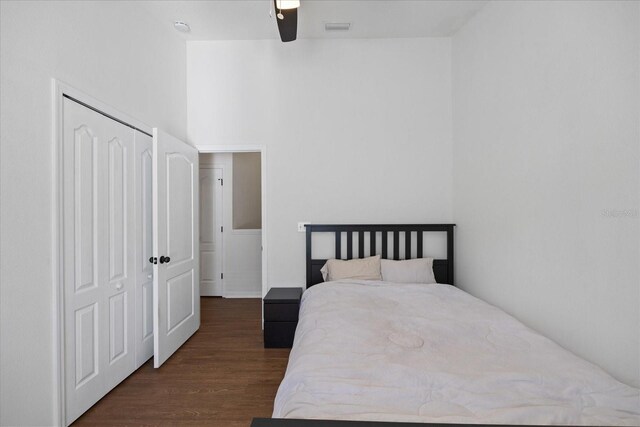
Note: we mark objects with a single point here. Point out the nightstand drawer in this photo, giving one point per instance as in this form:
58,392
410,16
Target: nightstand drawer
281,312
279,334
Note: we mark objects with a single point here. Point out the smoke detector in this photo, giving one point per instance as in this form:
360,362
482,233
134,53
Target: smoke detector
183,27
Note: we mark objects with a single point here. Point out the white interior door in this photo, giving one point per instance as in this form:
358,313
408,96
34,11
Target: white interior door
176,291
211,231
98,225
144,247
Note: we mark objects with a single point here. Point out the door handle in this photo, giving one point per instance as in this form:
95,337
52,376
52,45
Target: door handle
164,259
119,286
153,260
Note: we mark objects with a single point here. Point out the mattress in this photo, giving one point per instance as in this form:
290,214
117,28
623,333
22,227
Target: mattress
380,351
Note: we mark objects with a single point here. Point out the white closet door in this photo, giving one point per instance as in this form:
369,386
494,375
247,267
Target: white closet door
176,293
98,256
144,247
210,231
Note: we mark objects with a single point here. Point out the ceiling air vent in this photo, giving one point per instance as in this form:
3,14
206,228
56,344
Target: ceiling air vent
337,26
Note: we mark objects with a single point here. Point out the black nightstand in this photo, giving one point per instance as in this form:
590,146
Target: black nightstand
281,307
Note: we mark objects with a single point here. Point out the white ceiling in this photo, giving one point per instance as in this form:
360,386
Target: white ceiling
249,20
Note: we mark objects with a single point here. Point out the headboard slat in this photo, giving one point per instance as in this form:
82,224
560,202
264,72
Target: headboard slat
407,245
385,244
396,245
372,242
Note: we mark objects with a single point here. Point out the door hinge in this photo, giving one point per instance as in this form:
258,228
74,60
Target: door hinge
221,181
222,275
222,229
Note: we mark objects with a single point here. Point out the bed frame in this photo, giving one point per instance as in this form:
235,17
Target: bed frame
442,268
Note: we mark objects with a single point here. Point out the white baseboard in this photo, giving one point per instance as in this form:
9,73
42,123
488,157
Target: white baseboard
249,294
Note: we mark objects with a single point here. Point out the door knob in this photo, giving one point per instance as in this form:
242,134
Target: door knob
119,286
164,259
153,260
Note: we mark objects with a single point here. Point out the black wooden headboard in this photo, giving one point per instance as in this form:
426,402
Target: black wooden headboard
442,268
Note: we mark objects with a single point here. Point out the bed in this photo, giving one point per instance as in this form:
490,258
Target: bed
431,353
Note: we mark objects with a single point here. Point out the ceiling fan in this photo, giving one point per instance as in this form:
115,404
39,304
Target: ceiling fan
287,18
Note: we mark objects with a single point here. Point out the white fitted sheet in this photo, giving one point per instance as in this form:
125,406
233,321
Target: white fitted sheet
433,353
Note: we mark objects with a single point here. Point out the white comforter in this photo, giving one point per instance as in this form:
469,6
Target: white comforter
433,353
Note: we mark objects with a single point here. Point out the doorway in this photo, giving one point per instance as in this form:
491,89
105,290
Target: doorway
232,222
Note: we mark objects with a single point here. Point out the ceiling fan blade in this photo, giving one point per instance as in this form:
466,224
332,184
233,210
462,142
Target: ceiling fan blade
288,27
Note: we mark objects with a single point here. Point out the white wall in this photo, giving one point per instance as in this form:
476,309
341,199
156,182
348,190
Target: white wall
247,200
546,138
114,53
358,131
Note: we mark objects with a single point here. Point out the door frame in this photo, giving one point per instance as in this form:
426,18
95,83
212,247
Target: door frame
249,148
60,90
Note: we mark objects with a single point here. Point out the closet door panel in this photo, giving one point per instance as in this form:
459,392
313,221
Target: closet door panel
86,345
117,253
179,212
175,227
98,274
117,326
117,210
144,247
120,250
83,294
85,226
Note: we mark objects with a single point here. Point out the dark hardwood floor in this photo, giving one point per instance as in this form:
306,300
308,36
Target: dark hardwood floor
222,376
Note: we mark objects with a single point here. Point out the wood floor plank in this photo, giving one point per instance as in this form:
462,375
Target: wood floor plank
222,376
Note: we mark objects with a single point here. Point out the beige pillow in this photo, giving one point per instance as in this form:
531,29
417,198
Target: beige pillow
361,269
419,270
